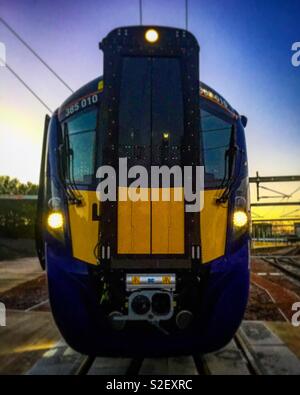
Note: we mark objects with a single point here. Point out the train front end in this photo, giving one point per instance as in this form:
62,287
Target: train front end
143,206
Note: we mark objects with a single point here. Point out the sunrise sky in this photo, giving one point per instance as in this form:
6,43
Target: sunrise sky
245,55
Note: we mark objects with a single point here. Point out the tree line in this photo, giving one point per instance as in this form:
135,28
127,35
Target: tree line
17,217
12,186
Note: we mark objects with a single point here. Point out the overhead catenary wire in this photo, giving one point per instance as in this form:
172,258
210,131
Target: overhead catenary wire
295,191
141,11
289,213
35,54
281,194
27,86
186,14
256,215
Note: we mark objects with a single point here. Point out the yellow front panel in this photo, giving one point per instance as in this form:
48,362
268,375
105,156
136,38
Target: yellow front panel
141,227
168,224
84,231
213,222
135,220
124,226
133,224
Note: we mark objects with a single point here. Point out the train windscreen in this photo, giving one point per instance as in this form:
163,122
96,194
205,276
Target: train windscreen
80,140
151,122
217,137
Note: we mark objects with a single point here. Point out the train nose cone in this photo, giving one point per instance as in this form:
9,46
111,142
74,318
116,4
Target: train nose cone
184,319
141,304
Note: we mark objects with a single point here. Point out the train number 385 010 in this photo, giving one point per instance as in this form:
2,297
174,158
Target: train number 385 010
81,104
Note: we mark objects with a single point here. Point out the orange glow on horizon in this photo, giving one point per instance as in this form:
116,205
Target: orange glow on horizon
21,140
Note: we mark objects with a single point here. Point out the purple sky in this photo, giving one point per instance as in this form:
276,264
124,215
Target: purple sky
245,55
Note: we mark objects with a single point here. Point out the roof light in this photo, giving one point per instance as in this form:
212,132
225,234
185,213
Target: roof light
151,36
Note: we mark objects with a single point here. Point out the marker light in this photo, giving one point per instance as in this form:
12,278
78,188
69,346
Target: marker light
151,36
240,219
55,220
166,136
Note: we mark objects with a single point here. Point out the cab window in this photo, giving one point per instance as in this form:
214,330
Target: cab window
217,137
80,140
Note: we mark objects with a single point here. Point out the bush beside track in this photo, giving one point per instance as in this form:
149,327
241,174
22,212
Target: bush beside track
17,219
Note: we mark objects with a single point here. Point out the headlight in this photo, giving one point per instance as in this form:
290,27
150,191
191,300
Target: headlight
55,220
240,219
151,36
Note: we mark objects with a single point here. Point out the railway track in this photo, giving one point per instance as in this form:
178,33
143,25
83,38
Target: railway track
236,358
282,285
289,265
37,305
255,350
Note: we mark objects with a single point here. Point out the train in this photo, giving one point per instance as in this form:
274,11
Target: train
158,266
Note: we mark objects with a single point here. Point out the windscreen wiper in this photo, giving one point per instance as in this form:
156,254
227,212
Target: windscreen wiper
77,198
70,189
62,166
230,158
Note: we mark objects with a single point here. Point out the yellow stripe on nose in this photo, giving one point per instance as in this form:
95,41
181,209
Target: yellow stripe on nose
168,222
151,227
133,223
84,231
213,223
